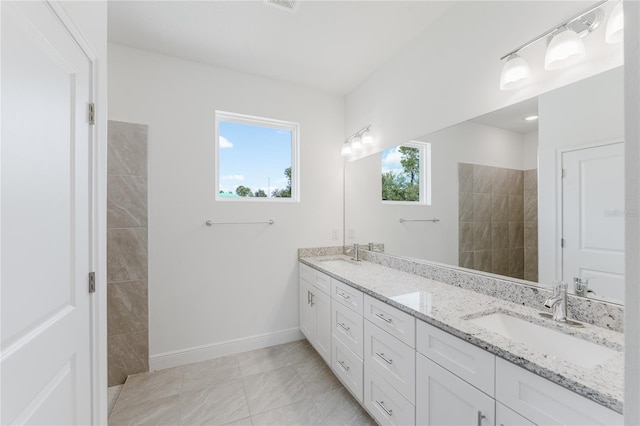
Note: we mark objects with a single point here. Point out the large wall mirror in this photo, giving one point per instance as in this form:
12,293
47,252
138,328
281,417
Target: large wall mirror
537,200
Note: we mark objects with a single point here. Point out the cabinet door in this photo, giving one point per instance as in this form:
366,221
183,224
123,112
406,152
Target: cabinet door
507,417
322,304
307,312
444,399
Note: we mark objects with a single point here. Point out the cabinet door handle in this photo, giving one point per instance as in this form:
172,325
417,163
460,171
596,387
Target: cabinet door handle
382,317
312,302
388,361
480,417
381,404
346,367
344,296
344,326
308,297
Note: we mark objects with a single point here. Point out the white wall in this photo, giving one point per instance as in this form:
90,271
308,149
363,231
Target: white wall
90,18
586,112
530,154
367,219
451,72
212,289
632,223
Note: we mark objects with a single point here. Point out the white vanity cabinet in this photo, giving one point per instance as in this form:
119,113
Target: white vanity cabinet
315,310
442,398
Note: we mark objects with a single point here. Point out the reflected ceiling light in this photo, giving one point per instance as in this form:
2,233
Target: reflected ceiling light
516,73
565,46
531,118
355,141
565,49
615,25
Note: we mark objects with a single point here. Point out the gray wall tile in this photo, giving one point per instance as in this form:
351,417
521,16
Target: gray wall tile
481,235
516,208
127,307
482,260
481,207
516,234
126,148
126,254
482,179
500,235
499,208
465,177
465,259
128,354
465,206
126,201
465,242
500,261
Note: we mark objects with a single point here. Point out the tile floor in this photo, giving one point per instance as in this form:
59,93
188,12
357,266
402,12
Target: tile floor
282,385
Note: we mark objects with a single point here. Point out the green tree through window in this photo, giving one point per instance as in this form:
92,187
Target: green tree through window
401,184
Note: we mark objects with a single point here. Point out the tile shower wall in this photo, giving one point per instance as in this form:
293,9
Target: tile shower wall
491,219
531,225
127,266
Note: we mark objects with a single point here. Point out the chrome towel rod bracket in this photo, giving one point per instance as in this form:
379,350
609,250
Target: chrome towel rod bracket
419,220
211,223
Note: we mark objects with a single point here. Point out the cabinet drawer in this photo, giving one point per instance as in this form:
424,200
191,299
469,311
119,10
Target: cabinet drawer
347,326
348,368
463,359
544,402
386,405
507,417
317,278
347,295
391,359
397,323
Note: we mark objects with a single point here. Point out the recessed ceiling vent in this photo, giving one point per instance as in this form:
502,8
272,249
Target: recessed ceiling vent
289,5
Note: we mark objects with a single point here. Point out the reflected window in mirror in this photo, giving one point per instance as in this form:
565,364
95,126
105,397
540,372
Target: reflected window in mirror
405,173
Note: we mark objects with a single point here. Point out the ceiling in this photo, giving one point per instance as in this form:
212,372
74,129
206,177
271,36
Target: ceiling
512,117
328,45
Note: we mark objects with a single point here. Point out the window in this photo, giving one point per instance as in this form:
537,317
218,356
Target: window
406,173
257,158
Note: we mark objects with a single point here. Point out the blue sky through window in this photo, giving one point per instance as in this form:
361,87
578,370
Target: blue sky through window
253,156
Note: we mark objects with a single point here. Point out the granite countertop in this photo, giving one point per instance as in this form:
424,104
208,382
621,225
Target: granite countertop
450,308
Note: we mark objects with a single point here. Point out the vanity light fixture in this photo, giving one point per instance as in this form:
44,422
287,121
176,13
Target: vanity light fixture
355,141
346,148
565,49
615,25
565,45
516,73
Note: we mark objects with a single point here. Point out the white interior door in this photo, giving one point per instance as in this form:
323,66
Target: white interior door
593,219
45,220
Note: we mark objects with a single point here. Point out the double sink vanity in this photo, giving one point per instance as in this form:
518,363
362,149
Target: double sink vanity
413,350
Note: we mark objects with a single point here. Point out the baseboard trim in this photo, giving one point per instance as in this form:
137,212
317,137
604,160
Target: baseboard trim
216,350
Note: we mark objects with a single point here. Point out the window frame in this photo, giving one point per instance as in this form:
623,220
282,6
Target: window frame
425,175
232,117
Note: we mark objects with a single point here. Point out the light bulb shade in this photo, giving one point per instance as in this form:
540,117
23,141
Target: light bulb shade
346,149
566,49
356,142
515,73
367,137
615,25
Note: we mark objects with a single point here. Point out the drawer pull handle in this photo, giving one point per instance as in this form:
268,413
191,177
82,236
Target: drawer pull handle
344,296
388,361
480,417
381,404
344,326
382,317
346,367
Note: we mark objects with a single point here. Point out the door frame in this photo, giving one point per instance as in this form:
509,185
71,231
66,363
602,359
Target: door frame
97,232
560,196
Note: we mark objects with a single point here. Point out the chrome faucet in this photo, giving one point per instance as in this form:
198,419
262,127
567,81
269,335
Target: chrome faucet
356,252
558,302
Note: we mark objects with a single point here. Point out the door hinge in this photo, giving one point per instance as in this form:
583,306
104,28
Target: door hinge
92,282
562,242
563,173
92,113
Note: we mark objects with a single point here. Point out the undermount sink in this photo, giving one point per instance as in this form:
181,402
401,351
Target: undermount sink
550,342
339,261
